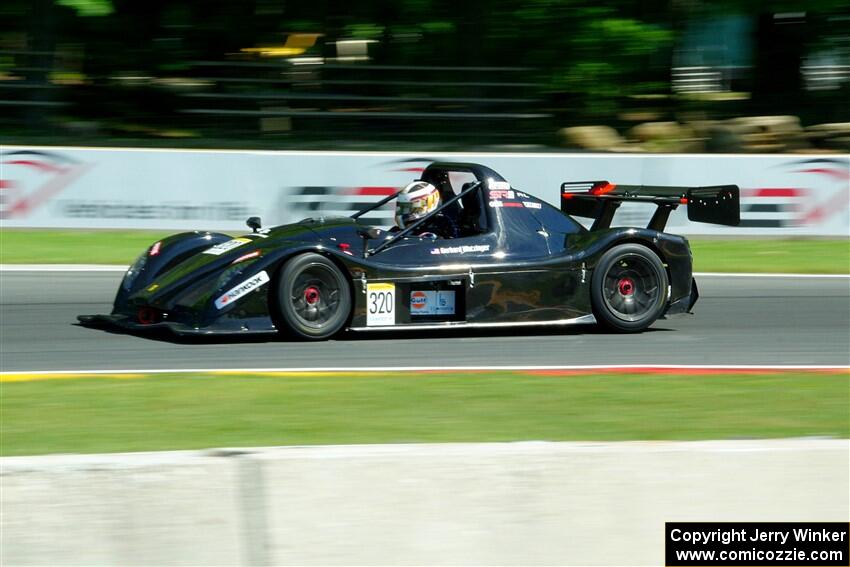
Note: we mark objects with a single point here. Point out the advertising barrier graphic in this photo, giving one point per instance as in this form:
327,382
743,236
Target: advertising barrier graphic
781,195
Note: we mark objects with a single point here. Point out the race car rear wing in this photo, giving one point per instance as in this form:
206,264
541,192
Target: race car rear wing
599,200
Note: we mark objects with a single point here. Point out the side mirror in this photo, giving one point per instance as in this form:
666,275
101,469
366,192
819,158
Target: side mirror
254,223
369,233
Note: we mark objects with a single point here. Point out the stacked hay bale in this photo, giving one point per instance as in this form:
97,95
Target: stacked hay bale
746,134
594,139
770,134
833,137
666,137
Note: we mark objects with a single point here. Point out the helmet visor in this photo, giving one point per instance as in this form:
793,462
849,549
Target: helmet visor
413,209
408,211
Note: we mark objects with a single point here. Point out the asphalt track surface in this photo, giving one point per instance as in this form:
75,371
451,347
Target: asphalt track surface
738,321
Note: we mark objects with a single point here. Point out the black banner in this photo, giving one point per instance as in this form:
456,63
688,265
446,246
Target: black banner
824,544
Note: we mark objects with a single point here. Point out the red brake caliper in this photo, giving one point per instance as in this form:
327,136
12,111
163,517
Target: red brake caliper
311,295
626,286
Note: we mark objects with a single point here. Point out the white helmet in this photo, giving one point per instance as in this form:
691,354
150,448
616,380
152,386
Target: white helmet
414,202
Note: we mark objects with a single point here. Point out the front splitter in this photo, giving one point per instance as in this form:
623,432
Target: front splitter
181,329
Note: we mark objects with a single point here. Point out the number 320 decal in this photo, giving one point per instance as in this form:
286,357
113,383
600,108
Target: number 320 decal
380,304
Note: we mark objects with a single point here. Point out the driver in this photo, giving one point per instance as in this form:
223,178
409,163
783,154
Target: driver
414,202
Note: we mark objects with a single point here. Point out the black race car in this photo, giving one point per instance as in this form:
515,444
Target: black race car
505,258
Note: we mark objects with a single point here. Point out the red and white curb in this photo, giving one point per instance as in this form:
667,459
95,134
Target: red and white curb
575,370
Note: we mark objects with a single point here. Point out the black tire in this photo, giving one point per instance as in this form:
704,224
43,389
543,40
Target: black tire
313,298
628,289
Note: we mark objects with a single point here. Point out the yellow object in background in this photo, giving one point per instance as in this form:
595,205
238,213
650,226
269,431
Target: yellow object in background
296,44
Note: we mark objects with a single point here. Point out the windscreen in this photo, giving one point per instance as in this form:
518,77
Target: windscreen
527,225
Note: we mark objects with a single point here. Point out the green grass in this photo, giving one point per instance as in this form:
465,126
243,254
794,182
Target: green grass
804,256
199,411
710,255
74,246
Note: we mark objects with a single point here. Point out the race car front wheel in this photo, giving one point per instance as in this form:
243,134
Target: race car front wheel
313,298
628,288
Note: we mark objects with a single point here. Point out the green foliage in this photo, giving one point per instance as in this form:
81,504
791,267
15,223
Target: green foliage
438,27
364,31
299,26
589,57
591,54
89,8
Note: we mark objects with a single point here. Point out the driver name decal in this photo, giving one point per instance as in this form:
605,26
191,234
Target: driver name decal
244,288
461,249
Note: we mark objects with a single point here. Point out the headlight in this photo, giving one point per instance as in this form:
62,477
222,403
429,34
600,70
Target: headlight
134,271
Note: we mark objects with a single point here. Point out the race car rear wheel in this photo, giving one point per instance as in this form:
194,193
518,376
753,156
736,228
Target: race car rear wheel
313,298
628,288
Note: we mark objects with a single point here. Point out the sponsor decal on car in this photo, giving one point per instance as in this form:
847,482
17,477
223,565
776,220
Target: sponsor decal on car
432,302
418,302
532,205
497,185
253,283
153,287
220,249
502,194
500,203
461,249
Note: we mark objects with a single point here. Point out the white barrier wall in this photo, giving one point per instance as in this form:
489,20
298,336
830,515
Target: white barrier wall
500,503
782,195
